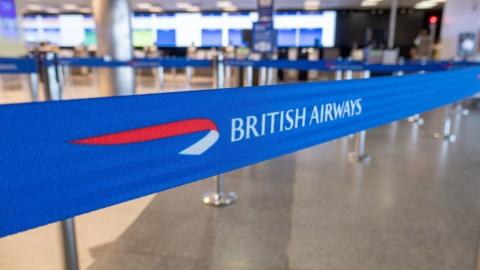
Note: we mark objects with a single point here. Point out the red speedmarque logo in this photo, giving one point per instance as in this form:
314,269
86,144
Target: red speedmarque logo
162,131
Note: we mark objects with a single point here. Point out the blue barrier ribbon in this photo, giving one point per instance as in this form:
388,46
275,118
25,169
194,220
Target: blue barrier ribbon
332,65
61,159
136,63
18,65
171,62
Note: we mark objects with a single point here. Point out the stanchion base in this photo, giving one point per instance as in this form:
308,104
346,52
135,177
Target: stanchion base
362,159
416,120
220,199
449,138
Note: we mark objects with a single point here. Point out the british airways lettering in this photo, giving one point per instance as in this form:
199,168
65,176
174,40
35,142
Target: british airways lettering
253,126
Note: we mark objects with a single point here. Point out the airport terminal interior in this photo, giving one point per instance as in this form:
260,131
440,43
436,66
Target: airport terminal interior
394,189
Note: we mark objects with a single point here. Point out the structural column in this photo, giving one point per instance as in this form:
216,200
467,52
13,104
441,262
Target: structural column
393,24
114,41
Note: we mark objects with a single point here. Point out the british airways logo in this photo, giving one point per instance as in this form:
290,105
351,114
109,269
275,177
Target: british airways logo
158,132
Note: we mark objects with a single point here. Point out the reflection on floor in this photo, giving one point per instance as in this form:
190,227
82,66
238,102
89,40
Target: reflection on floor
414,207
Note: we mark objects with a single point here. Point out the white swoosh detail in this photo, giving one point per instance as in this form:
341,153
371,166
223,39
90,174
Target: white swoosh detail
202,145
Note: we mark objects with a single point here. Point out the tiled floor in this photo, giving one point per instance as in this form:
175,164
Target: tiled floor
415,207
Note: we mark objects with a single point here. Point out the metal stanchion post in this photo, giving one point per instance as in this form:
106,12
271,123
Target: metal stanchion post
417,118
447,134
33,85
228,75
70,244
161,77
262,80
270,74
348,75
188,73
249,76
53,91
461,109
338,75
174,74
219,197
359,155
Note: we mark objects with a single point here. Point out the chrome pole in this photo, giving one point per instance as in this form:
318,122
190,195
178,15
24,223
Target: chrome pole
174,75
338,75
188,73
228,75
33,85
262,80
359,155
161,77
70,244
348,75
447,134
270,75
249,76
219,197
53,91
416,118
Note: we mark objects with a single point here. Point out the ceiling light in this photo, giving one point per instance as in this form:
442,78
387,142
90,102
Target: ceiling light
425,4
231,9
144,5
34,7
52,10
155,9
85,10
311,4
70,7
369,3
224,4
193,9
183,5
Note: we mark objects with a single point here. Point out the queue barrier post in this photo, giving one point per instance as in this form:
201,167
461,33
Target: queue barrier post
228,75
447,134
359,154
270,76
416,118
219,197
188,73
348,75
53,88
70,244
33,85
338,75
53,91
262,78
461,109
249,76
174,75
161,77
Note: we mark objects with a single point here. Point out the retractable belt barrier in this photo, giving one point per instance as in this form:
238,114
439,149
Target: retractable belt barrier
136,63
64,158
333,65
18,65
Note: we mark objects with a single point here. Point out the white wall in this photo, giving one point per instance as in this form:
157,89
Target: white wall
458,16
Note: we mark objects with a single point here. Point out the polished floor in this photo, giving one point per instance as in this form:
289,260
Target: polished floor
415,206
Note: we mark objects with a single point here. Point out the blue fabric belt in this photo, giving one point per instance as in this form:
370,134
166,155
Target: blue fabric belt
61,159
326,65
17,65
136,63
